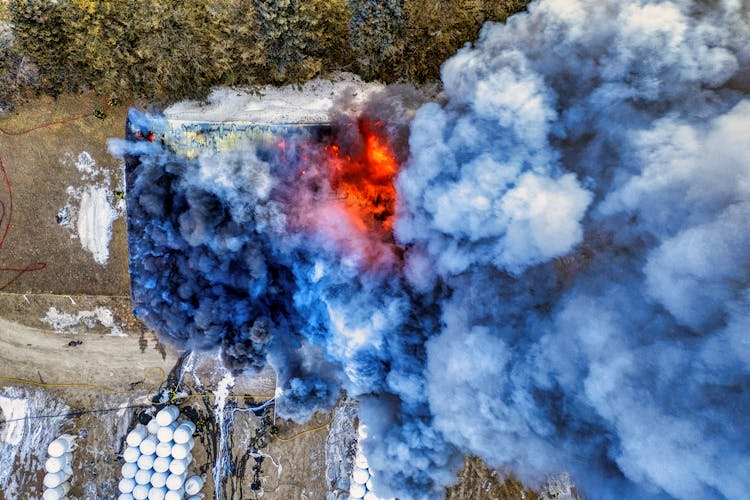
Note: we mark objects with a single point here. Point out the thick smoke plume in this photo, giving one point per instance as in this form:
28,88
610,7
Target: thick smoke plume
560,280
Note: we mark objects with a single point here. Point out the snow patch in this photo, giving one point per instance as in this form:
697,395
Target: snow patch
341,445
223,419
559,487
64,322
95,218
86,165
274,105
90,210
23,448
14,411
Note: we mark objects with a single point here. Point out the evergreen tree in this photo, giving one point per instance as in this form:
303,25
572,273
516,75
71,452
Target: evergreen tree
234,54
42,31
15,73
165,50
284,34
376,33
437,29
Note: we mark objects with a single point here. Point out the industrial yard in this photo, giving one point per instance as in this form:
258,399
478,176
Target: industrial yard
374,250
75,361
71,347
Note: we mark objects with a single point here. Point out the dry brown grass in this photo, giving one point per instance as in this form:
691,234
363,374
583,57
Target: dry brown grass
476,481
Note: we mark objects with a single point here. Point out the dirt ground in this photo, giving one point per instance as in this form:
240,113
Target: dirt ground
40,167
71,323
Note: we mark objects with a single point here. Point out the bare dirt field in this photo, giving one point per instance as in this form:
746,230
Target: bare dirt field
41,167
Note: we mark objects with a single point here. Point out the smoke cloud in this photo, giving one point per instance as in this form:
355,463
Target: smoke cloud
559,282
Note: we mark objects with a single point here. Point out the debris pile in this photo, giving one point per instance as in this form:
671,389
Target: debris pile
157,458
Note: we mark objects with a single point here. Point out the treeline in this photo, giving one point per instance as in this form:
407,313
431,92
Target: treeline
165,50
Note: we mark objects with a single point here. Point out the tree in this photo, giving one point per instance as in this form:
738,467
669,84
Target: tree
377,34
328,22
42,31
165,50
437,29
16,73
283,33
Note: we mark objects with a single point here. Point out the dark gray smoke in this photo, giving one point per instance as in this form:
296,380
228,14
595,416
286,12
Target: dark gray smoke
568,282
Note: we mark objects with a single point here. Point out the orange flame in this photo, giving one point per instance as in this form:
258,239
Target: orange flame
365,182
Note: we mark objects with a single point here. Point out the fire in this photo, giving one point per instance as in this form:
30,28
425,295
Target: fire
365,182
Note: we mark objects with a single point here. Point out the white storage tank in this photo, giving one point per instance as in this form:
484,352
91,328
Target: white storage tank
129,469
184,432
167,415
165,433
181,450
175,482
126,485
164,449
161,464
57,492
157,493
148,445
157,459
175,494
53,479
146,462
159,479
360,475
193,485
61,445
140,492
61,463
178,466
143,477
131,454
137,435
152,426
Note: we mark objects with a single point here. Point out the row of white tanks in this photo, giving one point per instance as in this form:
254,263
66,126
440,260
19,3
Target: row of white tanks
360,485
157,458
58,468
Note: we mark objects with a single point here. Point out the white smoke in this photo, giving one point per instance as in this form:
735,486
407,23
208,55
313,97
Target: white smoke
616,135
573,225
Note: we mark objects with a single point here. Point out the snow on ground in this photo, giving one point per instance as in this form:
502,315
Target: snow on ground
14,409
89,213
86,165
340,447
23,443
559,487
223,454
95,218
64,322
274,105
